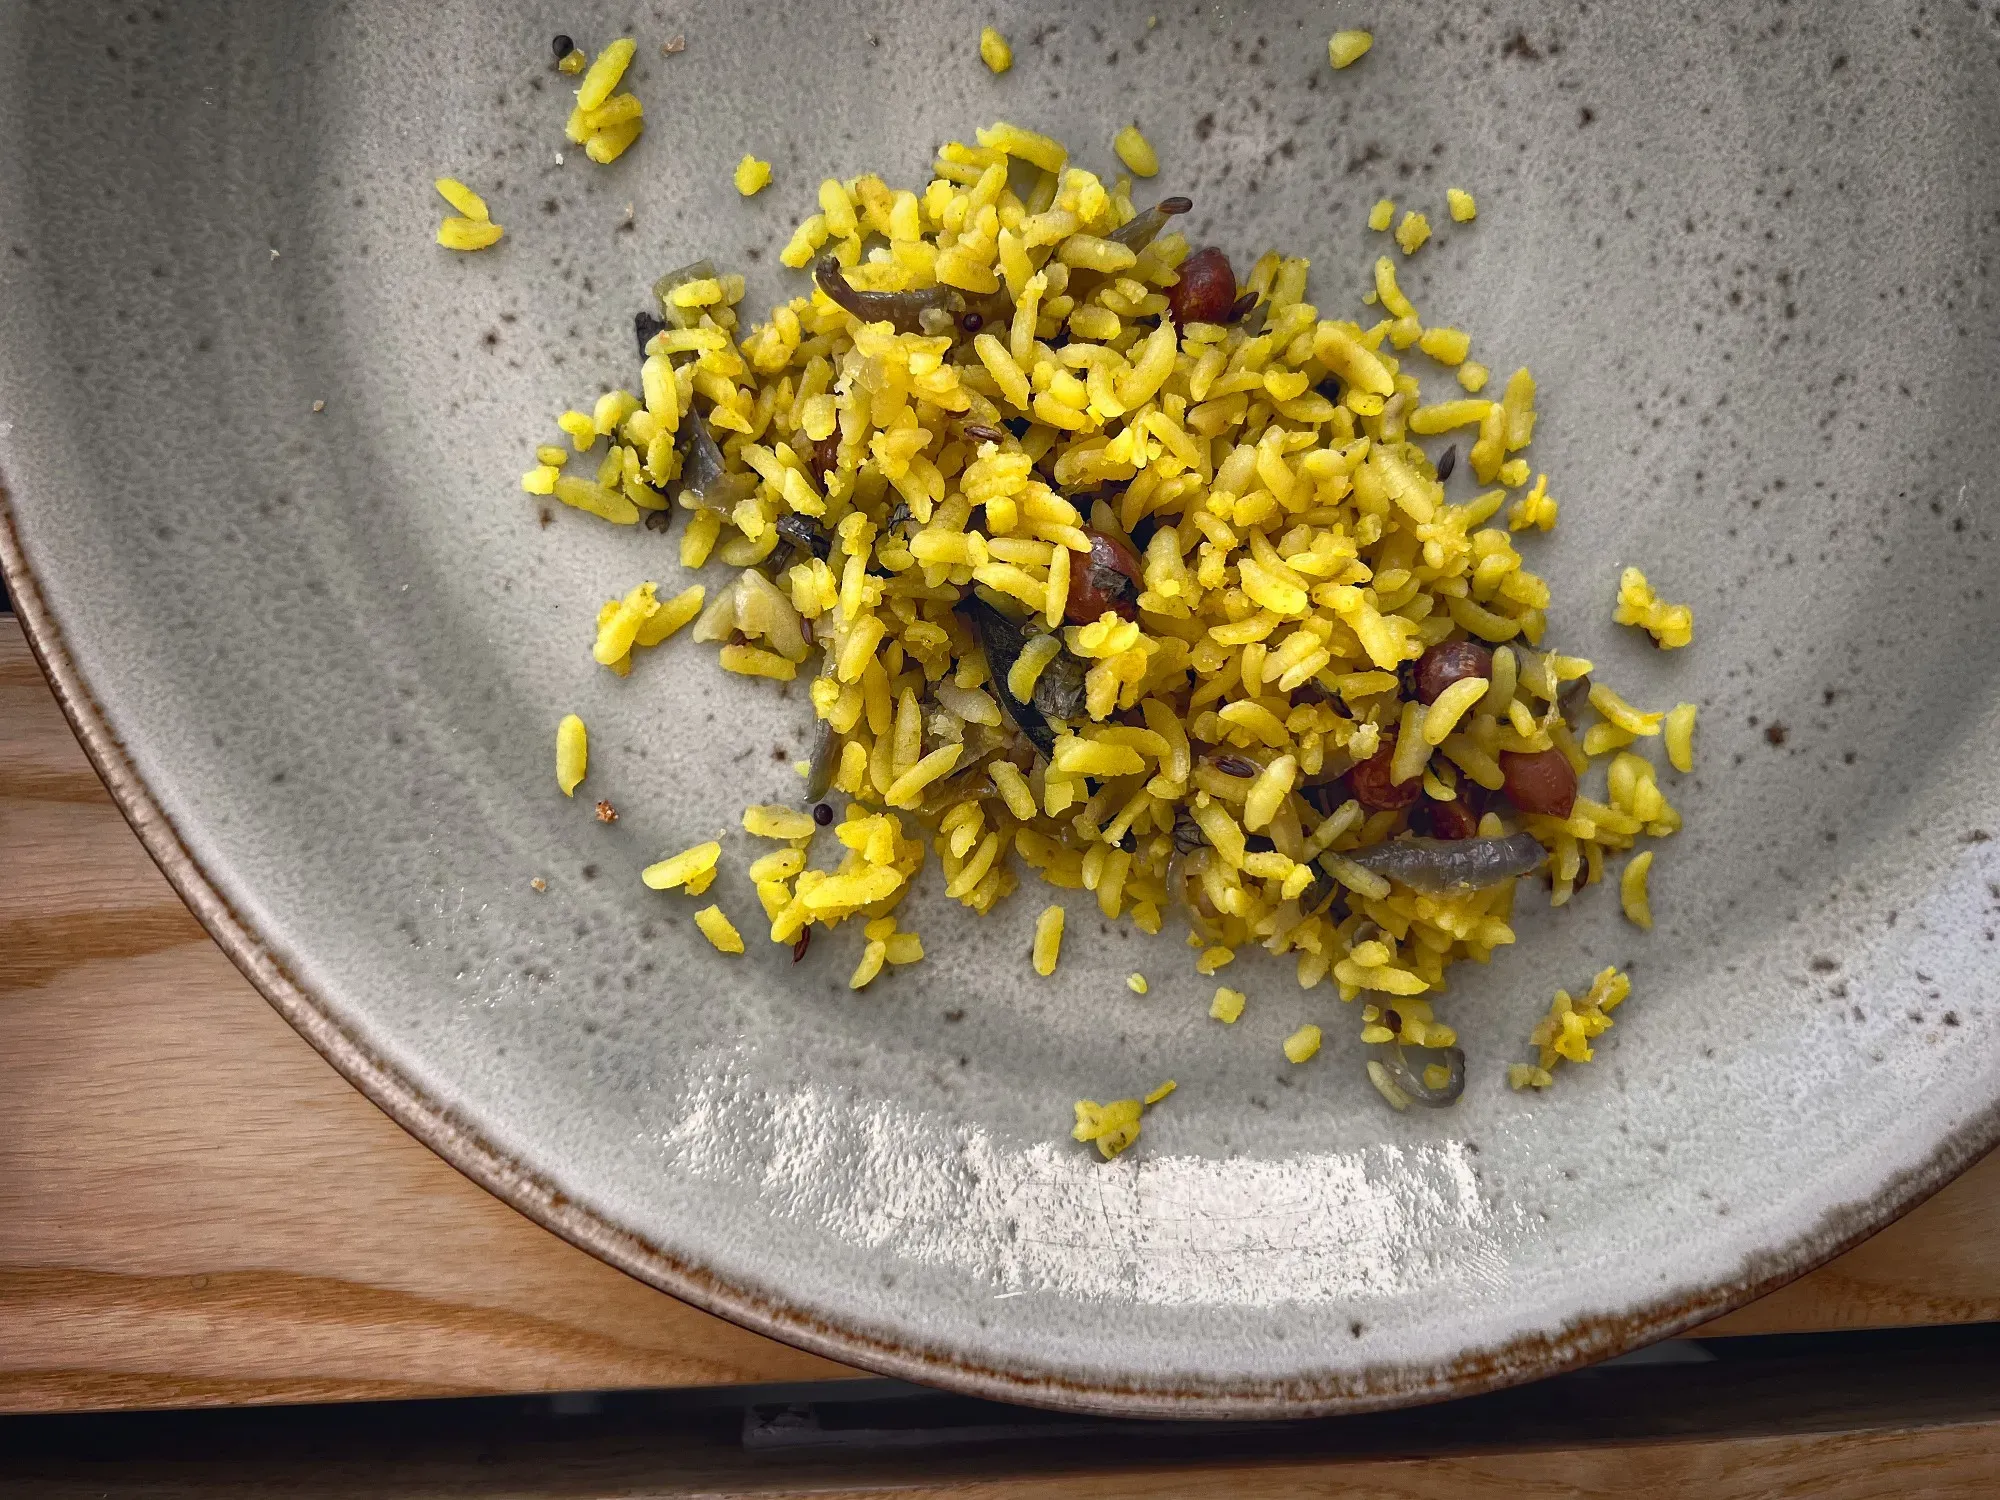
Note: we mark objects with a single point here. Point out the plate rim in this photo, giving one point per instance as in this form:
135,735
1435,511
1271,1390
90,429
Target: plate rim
436,1125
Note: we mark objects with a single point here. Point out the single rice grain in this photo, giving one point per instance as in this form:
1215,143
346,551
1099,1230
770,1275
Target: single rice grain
1048,940
680,869
572,754
1632,892
1678,729
994,51
1302,1043
1136,152
719,930
1345,48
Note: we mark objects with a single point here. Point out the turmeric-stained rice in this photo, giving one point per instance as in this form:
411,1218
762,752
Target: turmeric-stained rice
1099,560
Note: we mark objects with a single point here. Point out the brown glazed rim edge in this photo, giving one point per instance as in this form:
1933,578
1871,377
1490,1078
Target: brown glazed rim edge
1528,1357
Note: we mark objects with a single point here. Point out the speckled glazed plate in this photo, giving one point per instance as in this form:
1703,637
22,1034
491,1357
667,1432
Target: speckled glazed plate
318,654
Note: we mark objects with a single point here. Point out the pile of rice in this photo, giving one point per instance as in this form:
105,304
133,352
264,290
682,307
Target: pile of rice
1297,548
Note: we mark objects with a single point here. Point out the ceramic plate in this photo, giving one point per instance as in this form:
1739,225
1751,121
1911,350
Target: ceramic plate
319,654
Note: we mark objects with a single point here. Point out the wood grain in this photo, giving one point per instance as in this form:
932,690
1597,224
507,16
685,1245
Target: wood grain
1946,1462
195,1209
1939,1463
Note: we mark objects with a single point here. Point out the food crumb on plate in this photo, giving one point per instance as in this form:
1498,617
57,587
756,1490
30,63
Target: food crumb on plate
604,122
1113,1127
572,753
1632,892
1678,730
719,930
471,227
995,51
1345,48
1136,152
1048,940
1412,231
1565,1033
1670,625
684,868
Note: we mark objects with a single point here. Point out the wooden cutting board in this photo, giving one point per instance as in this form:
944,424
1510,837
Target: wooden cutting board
195,1209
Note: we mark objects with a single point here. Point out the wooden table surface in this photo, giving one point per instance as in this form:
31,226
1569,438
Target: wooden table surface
195,1209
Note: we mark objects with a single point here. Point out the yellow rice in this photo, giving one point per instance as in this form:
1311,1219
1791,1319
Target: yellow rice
994,51
1566,1032
719,930
682,869
603,122
1136,152
472,226
1298,550
1670,625
572,753
1348,47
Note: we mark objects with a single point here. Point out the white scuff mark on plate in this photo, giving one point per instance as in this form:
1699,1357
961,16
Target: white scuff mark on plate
1374,1222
